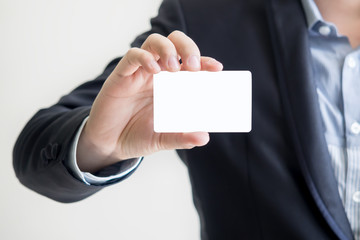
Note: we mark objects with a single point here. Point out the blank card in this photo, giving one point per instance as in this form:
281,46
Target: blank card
202,101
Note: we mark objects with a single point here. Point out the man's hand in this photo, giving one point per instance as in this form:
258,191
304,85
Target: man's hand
120,125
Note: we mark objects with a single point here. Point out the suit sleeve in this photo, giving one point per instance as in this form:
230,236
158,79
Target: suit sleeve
43,147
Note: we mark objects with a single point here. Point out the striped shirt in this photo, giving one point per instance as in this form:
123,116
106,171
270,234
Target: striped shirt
336,69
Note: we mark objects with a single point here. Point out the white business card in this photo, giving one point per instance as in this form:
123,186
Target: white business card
202,101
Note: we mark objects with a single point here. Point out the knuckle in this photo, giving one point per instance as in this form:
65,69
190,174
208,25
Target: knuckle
166,51
145,58
153,37
132,51
128,60
155,42
175,34
136,53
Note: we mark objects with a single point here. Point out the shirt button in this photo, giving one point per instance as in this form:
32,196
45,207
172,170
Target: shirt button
355,128
325,30
356,197
351,62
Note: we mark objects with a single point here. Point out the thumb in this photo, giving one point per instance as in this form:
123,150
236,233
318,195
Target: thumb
169,141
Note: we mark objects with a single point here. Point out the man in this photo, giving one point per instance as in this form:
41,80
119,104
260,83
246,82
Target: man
277,182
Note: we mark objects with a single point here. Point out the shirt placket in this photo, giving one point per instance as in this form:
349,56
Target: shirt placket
351,99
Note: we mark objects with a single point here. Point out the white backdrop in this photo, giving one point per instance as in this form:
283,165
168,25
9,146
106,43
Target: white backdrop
48,47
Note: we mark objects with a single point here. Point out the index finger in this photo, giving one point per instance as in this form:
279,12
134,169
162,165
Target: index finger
187,50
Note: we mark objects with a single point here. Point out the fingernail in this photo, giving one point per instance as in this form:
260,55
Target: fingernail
212,60
173,63
194,62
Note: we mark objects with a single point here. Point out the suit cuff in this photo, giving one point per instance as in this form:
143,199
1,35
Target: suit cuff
111,174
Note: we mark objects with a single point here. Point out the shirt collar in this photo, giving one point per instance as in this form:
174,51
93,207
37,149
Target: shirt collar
316,22
312,13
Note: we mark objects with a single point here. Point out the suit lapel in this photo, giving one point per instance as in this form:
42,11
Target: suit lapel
290,40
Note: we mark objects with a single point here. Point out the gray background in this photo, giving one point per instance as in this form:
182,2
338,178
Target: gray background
48,47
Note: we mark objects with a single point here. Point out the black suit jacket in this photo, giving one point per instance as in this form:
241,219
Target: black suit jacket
275,182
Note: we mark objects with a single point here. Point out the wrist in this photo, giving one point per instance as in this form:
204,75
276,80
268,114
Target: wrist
91,156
